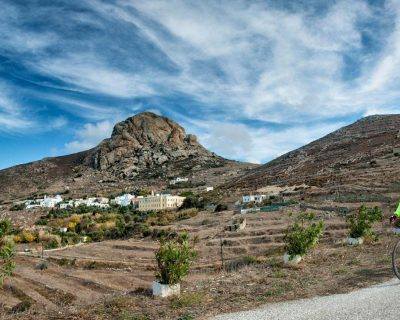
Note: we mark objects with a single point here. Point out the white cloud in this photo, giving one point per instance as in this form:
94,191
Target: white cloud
12,114
240,59
269,58
89,136
58,123
87,72
257,145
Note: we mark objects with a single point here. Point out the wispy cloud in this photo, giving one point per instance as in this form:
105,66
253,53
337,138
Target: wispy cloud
13,117
220,62
240,141
89,136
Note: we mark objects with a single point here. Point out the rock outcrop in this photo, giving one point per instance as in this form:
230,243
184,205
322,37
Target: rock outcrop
147,141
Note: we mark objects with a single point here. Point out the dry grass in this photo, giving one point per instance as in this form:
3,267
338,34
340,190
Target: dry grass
254,276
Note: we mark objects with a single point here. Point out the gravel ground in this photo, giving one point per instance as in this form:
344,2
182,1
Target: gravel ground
377,302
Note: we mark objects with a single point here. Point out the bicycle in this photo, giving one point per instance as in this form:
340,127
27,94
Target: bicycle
396,251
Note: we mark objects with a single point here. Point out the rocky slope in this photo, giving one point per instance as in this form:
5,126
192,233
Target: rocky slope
356,158
143,151
148,141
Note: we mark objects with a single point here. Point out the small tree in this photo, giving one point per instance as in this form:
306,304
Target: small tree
302,235
360,224
7,252
193,201
174,258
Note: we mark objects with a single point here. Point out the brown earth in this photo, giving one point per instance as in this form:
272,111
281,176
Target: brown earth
110,280
357,159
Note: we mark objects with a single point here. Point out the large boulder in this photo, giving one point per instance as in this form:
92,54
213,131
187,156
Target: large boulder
145,141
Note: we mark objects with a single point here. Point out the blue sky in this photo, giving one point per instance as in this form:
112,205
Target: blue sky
253,79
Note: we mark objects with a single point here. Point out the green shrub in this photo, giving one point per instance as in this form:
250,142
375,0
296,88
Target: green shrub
17,207
221,207
360,224
97,236
242,262
70,238
42,221
174,258
193,201
5,227
51,244
43,265
187,300
144,229
303,234
7,264
187,213
186,194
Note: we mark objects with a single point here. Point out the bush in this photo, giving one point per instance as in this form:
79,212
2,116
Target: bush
186,194
187,213
7,253
5,227
42,221
17,207
360,224
237,264
42,266
193,201
144,229
51,241
96,236
70,238
221,207
174,258
28,236
302,235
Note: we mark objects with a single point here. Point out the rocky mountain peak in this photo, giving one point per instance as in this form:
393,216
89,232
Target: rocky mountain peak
144,141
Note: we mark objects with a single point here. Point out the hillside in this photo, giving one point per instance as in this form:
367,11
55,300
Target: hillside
143,151
358,157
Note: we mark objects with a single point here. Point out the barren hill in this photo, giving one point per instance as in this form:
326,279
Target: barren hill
144,150
360,157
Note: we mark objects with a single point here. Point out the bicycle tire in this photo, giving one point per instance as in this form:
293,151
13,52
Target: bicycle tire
396,260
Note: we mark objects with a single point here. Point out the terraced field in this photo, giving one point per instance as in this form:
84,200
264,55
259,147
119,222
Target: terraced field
84,274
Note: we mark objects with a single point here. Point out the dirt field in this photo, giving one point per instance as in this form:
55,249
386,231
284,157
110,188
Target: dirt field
110,280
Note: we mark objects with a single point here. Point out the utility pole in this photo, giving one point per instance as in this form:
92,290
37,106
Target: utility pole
222,252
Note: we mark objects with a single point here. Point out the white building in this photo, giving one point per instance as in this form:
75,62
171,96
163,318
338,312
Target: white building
178,180
50,202
92,202
66,205
32,206
160,202
124,200
209,189
258,198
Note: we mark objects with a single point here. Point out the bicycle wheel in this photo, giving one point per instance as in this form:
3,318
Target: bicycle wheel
396,259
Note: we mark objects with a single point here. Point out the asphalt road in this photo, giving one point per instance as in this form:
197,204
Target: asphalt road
377,302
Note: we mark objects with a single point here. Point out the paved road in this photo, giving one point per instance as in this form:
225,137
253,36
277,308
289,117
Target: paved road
378,302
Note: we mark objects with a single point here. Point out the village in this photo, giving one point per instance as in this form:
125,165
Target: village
154,201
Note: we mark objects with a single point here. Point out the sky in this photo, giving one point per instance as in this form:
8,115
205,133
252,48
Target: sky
252,79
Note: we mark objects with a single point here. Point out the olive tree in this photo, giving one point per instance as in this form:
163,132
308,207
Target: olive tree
7,252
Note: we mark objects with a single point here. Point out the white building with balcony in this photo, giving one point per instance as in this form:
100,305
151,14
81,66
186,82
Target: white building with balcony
257,198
